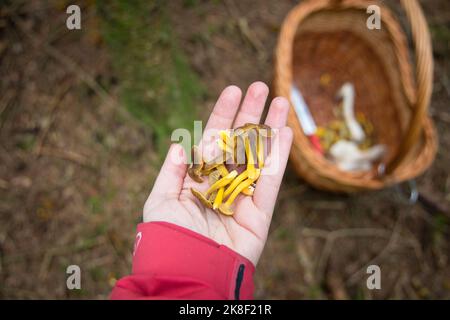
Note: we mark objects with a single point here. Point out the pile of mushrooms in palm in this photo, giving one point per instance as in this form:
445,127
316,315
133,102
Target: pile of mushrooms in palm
235,171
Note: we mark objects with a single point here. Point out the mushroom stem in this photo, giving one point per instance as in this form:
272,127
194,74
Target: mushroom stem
225,208
235,183
265,130
239,150
213,176
222,182
223,170
196,166
250,160
244,184
260,151
225,143
200,196
249,190
226,138
219,197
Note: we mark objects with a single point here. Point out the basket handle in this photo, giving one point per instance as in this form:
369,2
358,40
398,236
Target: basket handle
424,80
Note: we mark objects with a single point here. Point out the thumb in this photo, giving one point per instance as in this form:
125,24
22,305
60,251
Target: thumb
171,176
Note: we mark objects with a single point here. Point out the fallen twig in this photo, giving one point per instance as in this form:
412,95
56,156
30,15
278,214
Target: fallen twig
332,236
244,29
54,107
394,235
66,155
85,77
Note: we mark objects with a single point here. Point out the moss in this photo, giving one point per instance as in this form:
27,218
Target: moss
156,82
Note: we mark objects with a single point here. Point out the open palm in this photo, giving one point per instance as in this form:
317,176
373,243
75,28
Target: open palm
246,231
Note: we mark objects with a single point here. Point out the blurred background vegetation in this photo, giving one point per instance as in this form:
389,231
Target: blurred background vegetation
86,118
158,84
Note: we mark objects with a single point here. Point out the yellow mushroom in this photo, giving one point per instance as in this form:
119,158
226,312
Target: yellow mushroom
261,129
226,145
320,132
196,166
238,132
226,139
246,145
254,126
214,163
264,130
249,190
225,208
213,176
222,182
325,79
218,198
239,150
212,197
222,170
244,184
250,160
260,151
235,183
200,196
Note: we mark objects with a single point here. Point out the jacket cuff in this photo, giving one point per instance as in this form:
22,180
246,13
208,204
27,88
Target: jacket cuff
163,248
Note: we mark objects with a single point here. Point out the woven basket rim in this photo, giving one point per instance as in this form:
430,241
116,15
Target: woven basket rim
323,168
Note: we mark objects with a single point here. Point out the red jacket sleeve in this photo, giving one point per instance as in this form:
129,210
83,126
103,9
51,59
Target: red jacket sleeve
172,262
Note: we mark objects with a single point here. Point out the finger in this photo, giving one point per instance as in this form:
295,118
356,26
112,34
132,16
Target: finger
268,185
225,109
170,179
255,214
276,118
253,104
278,113
221,118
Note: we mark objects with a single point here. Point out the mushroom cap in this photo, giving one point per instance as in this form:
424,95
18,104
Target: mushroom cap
194,173
225,210
265,130
249,190
262,129
195,168
222,182
200,196
213,176
217,161
212,197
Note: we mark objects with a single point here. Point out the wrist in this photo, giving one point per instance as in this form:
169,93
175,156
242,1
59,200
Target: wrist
164,248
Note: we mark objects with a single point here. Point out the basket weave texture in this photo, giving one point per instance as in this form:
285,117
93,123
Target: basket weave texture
331,37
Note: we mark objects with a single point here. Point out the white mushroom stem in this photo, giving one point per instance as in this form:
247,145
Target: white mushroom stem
347,93
349,157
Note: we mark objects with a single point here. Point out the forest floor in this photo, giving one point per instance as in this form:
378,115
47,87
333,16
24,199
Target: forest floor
85,121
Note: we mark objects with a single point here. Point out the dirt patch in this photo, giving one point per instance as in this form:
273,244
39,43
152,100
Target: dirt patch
75,167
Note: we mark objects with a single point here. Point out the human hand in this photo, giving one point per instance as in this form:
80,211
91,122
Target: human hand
246,231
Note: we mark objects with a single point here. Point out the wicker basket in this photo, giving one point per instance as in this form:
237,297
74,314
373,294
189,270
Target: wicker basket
330,36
